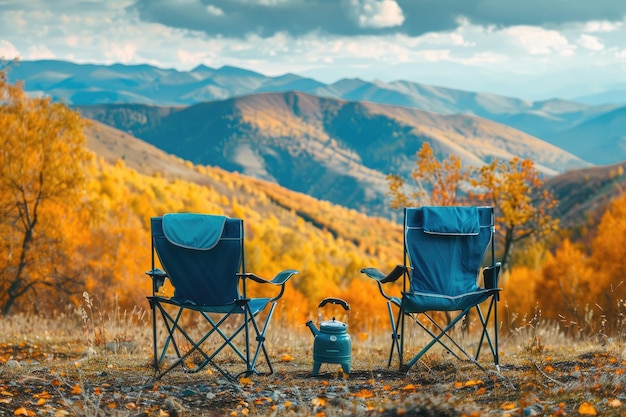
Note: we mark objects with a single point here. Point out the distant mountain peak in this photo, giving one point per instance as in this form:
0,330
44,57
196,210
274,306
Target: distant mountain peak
236,71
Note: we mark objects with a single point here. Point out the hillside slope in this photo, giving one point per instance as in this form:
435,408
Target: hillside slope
333,150
113,146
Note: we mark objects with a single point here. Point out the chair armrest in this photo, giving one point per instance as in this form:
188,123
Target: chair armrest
490,276
158,278
279,279
376,274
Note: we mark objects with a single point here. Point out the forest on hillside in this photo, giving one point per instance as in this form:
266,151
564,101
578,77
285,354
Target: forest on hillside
73,223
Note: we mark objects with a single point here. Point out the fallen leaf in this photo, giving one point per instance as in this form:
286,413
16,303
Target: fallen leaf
615,403
471,382
245,381
508,405
286,358
318,402
364,393
548,369
76,390
588,409
23,412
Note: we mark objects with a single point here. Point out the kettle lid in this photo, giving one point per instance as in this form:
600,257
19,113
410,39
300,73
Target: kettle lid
333,326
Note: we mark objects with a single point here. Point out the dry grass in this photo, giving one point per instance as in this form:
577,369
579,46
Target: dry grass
88,363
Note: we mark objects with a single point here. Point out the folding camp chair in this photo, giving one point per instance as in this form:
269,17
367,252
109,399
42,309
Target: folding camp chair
444,251
203,257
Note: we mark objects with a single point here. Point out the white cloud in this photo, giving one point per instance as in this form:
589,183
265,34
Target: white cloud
40,52
590,42
375,13
485,58
8,51
601,26
215,11
539,41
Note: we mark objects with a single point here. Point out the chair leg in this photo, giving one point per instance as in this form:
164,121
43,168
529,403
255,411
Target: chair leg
493,345
437,339
260,339
395,344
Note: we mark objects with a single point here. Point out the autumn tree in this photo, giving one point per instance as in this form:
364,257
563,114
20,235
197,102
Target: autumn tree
522,206
566,290
41,185
513,188
608,263
435,182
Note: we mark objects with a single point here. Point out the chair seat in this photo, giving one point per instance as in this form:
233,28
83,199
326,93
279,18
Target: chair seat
421,302
255,305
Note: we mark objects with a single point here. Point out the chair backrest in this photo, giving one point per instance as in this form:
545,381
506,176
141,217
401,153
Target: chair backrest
446,246
202,255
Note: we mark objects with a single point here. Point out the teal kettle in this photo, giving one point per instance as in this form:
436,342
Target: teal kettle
332,343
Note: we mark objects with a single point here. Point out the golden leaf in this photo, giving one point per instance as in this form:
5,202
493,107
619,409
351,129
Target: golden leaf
548,368
286,358
615,403
472,382
588,409
76,389
23,412
364,393
508,405
409,387
245,381
318,402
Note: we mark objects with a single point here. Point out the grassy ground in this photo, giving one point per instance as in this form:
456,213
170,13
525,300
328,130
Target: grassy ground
85,366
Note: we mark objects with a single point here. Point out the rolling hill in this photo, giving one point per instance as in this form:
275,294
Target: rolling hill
335,150
583,194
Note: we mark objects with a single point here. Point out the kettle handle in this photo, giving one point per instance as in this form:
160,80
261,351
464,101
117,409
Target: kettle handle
338,301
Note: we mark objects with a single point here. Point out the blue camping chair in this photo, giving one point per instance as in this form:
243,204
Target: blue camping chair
203,257
444,250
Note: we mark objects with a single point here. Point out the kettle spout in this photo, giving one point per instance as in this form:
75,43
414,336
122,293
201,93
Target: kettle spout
311,326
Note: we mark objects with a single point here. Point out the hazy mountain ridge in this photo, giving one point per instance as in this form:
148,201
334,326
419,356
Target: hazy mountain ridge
88,84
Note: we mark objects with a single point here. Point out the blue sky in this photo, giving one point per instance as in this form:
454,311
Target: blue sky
531,49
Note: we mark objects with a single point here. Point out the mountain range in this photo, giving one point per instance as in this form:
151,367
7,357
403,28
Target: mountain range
336,142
